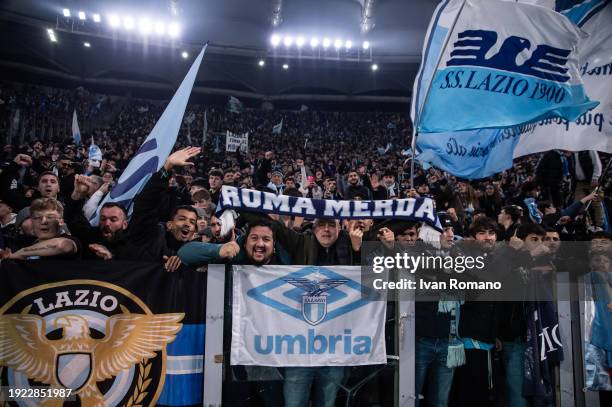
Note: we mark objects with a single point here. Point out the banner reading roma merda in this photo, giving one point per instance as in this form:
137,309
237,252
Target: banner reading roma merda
306,316
111,333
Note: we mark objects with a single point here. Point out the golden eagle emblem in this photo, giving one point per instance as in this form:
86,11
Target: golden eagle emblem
77,361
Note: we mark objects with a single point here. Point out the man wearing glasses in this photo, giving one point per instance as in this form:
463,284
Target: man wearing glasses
49,240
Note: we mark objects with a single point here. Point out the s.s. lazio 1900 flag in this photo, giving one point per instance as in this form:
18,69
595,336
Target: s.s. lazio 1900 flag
306,316
153,152
481,153
495,64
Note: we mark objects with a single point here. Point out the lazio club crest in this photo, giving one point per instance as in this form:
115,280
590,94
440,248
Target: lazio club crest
94,338
314,301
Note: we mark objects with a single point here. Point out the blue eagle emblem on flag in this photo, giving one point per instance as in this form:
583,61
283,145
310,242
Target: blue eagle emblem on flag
314,300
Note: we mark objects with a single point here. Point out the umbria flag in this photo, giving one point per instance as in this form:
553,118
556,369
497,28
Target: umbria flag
306,316
496,64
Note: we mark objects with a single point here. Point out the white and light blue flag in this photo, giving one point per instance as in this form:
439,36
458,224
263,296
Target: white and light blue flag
278,128
504,64
592,130
234,105
481,153
153,152
95,154
306,316
76,133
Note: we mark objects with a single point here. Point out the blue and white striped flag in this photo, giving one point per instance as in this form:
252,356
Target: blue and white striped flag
153,152
278,128
76,133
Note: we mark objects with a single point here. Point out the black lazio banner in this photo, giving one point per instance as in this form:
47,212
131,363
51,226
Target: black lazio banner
104,333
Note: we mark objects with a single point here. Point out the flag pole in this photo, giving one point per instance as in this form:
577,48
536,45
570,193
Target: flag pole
415,132
601,178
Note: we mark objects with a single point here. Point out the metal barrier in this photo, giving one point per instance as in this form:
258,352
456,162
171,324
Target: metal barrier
571,390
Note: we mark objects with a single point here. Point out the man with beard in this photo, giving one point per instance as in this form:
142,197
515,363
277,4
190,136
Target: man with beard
49,240
256,247
355,189
106,241
328,244
151,240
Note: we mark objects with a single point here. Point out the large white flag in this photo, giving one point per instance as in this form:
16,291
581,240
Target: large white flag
153,152
76,133
306,316
592,130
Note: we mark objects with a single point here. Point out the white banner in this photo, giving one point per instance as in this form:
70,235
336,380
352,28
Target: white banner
233,142
592,130
306,316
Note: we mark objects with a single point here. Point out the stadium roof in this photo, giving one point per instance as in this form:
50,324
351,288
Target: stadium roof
239,32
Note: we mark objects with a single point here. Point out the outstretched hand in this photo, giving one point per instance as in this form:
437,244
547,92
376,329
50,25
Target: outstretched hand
180,158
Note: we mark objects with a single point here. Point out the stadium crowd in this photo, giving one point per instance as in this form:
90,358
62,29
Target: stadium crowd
49,189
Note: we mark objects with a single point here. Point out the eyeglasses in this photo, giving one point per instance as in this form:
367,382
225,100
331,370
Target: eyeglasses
50,218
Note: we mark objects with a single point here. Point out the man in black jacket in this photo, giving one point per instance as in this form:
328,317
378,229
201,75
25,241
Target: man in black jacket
355,190
106,241
153,241
553,167
473,381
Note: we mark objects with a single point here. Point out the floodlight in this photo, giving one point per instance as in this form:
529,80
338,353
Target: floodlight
144,25
285,66
374,67
326,42
366,45
160,28
114,21
81,15
288,41
261,62
173,30
128,23
87,45
96,18
185,54
314,42
66,12
300,41
275,40
348,44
